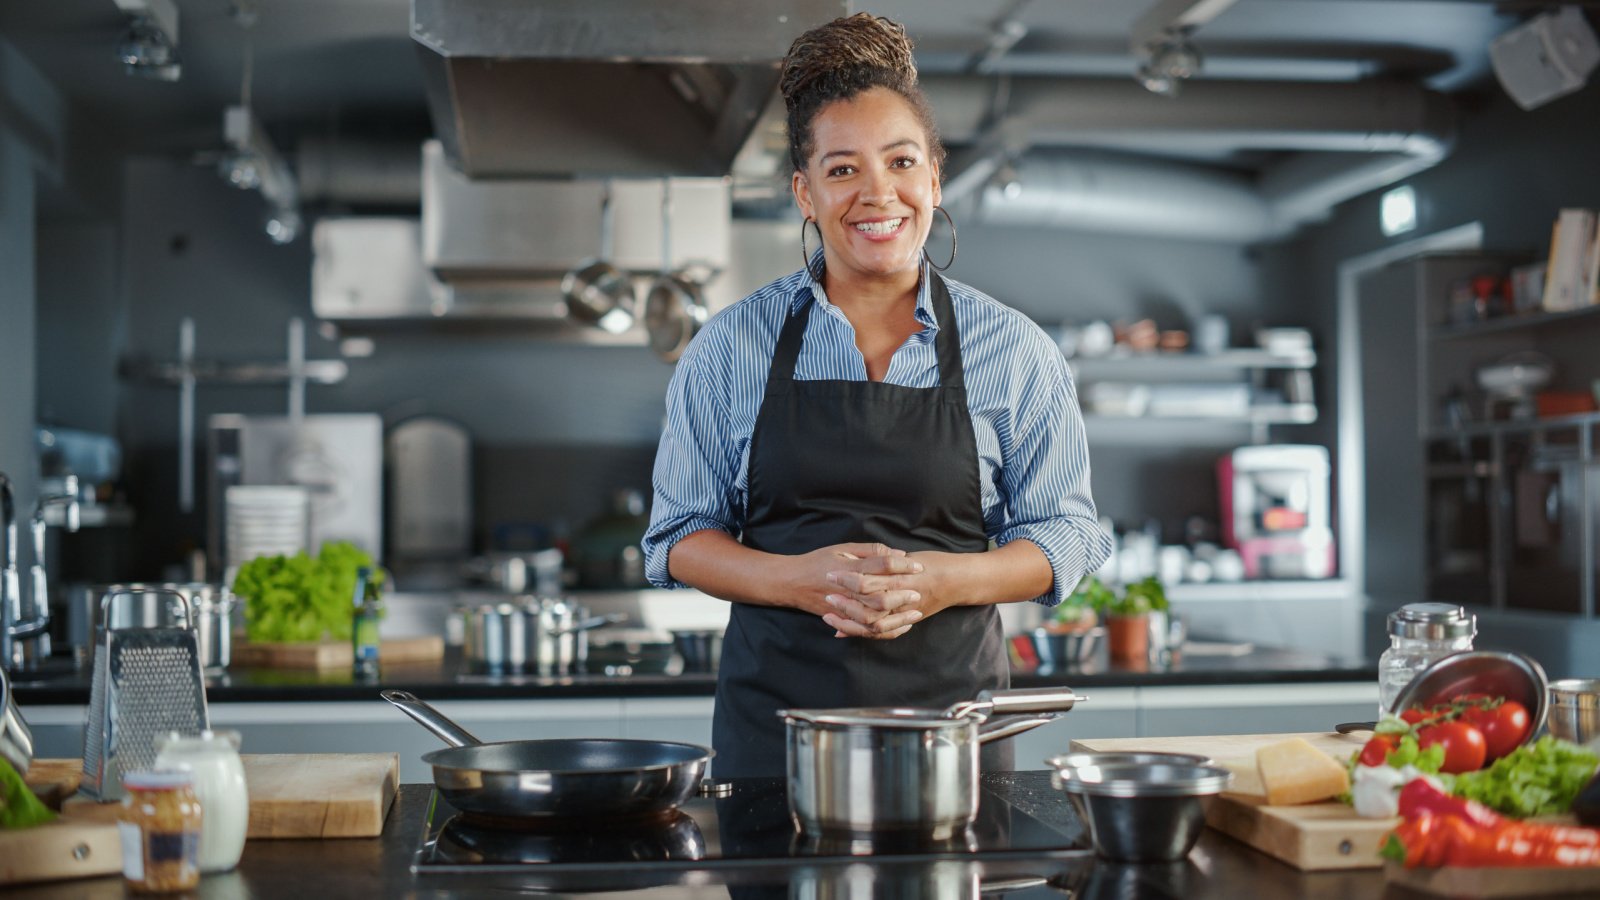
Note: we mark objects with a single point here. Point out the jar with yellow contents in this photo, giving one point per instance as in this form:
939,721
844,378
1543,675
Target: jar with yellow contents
160,825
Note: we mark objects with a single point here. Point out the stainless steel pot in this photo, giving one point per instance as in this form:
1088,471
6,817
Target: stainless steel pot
16,741
540,636
148,605
864,771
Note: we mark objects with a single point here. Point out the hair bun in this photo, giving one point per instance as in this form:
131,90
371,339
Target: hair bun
861,41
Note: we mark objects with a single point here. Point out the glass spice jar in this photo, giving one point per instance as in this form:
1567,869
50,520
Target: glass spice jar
160,828
1420,634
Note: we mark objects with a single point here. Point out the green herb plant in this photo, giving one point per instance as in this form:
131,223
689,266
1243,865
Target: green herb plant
298,598
1140,598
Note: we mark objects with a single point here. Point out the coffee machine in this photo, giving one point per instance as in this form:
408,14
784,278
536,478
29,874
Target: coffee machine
1275,510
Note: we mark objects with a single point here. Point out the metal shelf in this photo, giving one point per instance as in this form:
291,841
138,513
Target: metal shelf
1510,323
1213,591
1280,414
1141,364
1580,420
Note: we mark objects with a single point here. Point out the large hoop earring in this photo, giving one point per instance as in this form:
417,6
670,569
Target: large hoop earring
952,258
805,255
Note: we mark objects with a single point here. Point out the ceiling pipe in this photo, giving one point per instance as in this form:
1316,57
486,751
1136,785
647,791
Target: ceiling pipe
1337,127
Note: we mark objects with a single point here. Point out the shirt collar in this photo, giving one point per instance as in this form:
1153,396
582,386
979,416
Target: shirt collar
808,288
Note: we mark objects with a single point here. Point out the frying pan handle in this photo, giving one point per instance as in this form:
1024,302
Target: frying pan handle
431,719
1006,726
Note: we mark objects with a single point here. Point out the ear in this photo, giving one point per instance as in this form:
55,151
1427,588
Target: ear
938,180
802,194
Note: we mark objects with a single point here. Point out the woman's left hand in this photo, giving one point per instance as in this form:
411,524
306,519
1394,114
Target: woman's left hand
865,603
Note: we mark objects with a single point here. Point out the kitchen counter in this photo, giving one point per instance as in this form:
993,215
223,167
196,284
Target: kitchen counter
451,680
1219,867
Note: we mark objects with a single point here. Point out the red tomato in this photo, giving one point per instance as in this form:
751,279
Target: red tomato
1376,751
1417,716
1504,727
1464,746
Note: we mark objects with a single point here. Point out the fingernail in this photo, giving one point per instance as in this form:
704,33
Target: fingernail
914,615
916,567
833,578
831,599
916,598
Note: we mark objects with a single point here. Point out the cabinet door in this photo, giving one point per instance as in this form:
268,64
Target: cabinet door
1253,709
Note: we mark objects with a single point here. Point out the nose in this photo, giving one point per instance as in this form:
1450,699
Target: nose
879,188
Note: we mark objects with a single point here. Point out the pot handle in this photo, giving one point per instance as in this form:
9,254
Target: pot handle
590,624
1006,726
1025,700
431,719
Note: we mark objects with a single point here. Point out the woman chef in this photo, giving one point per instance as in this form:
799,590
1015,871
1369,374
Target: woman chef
865,457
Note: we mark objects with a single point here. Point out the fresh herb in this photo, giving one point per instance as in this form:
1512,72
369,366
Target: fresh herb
297,598
1147,593
1410,753
19,807
1093,593
1542,778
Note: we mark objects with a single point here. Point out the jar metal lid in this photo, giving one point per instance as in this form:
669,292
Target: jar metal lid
157,779
1432,622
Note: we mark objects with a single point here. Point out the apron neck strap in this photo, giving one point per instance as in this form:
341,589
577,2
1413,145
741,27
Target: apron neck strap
946,343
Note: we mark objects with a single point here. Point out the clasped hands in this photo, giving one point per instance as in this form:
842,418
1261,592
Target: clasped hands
869,590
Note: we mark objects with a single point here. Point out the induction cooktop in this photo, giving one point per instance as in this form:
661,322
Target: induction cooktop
749,827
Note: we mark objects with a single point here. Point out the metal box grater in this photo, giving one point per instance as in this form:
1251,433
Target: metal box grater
147,682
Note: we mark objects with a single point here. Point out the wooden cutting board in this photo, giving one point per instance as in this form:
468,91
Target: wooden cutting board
66,848
1314,837
292,795
334,654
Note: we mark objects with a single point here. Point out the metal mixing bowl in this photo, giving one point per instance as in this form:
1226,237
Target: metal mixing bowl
1065,649
1143,812
1575,709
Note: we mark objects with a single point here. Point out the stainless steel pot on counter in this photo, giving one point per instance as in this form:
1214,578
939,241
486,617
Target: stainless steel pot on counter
536,636
871,770
149,605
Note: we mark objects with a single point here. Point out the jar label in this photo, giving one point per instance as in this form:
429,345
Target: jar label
173,846
132,851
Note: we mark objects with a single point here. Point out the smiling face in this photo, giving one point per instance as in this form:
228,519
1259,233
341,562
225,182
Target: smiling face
870,184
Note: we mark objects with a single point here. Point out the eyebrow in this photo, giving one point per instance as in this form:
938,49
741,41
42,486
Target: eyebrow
884,149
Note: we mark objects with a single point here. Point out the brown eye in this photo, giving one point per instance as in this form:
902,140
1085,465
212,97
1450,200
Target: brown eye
837,171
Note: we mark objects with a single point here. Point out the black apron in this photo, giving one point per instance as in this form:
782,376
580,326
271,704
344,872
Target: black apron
835,462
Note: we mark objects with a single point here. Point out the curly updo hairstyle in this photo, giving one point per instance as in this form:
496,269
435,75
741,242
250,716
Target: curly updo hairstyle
841,59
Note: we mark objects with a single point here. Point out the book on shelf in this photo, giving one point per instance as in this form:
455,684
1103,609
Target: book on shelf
1572,274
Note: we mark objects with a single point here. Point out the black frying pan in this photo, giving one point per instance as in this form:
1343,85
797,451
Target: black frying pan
574,778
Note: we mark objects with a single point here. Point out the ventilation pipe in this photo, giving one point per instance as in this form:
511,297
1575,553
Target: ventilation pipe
1336,129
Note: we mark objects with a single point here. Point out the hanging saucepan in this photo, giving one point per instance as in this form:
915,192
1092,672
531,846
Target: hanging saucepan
598,293
862,771
557,778
673,308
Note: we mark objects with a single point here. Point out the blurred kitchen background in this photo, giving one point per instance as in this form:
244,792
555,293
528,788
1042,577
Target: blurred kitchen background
220,217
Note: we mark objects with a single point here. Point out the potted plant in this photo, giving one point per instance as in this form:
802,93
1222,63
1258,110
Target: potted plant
1129,619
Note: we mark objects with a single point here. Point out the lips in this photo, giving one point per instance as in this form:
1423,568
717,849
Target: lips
881,229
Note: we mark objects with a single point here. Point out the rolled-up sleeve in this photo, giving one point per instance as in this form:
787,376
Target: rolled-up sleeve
695,472
1046,485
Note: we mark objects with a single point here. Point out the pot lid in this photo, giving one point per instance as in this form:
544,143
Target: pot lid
908,718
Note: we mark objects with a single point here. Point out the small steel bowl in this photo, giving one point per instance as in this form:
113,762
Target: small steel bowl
1497,674
1144,812
1060,764
1063,650
1575,709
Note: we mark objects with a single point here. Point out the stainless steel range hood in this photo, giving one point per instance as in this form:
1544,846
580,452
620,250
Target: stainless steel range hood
602,87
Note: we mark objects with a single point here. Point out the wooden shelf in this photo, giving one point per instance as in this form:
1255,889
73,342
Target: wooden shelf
1511,323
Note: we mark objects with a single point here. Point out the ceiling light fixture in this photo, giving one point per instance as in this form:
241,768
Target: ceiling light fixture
251,162
148,47
1162,42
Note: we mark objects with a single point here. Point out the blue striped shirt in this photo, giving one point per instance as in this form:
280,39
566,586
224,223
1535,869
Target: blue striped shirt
1024,406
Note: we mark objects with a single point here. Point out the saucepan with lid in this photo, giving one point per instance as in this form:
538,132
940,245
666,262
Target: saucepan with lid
872,770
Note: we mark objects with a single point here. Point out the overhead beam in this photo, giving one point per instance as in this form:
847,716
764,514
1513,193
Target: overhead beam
1173,15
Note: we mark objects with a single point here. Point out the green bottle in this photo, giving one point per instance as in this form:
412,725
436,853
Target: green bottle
364,626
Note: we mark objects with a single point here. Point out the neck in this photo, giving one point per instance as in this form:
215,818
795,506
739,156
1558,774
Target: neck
872,295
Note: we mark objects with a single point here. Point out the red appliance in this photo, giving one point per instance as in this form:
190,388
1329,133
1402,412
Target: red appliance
1275,510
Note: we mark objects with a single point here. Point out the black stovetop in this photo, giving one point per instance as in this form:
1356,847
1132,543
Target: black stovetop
749,827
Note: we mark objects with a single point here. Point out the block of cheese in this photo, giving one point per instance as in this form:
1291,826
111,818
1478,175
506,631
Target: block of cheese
1295,772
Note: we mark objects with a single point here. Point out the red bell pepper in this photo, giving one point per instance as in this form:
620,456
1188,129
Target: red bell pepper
1419,797
1448,840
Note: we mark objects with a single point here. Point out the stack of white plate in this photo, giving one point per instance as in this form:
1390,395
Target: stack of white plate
266,520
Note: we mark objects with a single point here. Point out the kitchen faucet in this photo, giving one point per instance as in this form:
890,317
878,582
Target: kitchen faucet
13,627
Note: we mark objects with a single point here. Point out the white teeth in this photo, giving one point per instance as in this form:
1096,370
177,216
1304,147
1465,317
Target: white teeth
885,227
